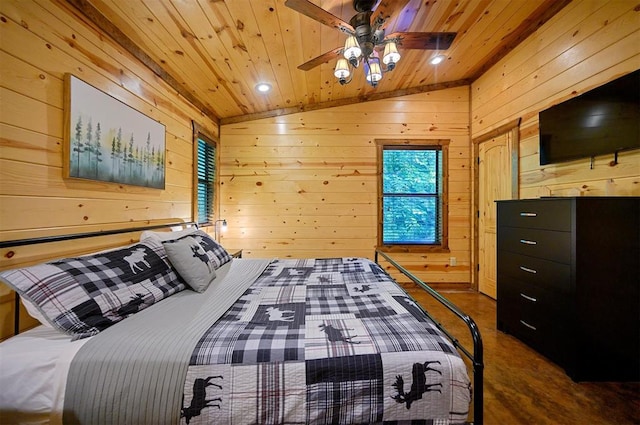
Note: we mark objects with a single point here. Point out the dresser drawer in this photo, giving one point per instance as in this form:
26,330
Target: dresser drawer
534,315
548,244
529,298
536,271
550,214
542,337
523,304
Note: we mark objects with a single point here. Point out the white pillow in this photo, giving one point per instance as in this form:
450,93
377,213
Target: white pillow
167,236
34,312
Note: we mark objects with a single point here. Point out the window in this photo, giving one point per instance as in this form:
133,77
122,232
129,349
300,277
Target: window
412,210
205,174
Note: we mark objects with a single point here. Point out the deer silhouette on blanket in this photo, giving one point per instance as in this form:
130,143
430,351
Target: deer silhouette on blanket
324,279
133,306
336,335
199,400
419,385
137,256
199,253
364,288
277,315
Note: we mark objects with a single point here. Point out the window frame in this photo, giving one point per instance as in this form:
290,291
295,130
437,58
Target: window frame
200,134
415,144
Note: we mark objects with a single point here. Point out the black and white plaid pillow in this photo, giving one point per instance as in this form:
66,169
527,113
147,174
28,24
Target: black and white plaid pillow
85,295
216,252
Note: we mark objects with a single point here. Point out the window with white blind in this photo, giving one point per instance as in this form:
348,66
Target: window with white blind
412,210
205,168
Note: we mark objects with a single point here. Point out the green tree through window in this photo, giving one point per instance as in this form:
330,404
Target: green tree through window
412,208
206,180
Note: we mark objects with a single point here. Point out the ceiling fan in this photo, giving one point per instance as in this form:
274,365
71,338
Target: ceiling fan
366,37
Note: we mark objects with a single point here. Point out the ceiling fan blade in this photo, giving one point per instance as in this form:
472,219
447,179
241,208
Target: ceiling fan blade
387,8
323,58
316,13
424,40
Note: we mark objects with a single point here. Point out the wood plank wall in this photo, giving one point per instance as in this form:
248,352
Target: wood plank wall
304,185
301,185
585,45
41,41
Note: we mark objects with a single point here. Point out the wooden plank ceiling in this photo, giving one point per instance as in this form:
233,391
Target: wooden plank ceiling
215,52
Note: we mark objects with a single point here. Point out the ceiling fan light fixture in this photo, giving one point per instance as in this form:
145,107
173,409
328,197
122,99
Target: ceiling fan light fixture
366,40
391,56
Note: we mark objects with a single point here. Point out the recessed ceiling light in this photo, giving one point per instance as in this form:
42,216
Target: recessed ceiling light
263,87
437,59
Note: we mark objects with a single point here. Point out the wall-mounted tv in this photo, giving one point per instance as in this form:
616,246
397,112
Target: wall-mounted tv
602,121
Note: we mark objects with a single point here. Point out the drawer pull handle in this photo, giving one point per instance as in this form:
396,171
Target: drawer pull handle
527,242
528,214
533,328
527,297
527,269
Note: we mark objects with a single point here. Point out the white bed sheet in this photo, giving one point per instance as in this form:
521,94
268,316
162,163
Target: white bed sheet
37,395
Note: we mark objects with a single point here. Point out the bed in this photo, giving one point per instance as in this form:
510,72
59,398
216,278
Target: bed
173,329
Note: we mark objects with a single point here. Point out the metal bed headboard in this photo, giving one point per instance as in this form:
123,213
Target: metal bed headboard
60,238
476,358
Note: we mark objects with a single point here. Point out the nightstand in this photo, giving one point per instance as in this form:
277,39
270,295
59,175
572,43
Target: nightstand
236,253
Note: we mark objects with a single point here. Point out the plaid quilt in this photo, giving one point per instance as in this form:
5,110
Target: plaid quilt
325,341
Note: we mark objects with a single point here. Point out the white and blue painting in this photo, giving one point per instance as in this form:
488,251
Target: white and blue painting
112,142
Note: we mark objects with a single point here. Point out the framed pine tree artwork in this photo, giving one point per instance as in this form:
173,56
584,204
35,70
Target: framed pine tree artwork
107,140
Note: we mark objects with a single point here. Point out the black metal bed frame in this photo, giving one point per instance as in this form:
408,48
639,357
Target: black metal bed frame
60,238
476,358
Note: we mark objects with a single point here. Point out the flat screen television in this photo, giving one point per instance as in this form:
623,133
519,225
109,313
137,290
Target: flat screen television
605,120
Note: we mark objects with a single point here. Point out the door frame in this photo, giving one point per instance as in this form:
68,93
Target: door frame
514,128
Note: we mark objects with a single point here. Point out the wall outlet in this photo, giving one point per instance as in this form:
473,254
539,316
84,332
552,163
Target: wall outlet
453,261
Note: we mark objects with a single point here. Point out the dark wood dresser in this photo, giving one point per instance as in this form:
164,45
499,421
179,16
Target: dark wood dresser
568,276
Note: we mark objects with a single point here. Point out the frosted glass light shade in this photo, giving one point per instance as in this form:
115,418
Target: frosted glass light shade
373,70
342,69
351,48
391,54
